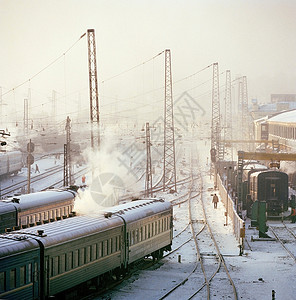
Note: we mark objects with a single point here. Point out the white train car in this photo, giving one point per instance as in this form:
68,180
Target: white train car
11,162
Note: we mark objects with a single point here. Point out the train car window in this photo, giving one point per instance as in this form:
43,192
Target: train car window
156,228
36,272
140,234
69,261
62,261
55,265
148,231
2,282
87,254
22,275
111,245
81,257
75,259
29,273
93,252
12,284
132,237
137,236
116,244
105,248
100,250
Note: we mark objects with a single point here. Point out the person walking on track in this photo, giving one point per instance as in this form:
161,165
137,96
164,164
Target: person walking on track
215,200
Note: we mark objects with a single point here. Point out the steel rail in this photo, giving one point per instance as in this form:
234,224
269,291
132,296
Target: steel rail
220,256
282,243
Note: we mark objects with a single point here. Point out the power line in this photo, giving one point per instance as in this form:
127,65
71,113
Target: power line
132,68
63,55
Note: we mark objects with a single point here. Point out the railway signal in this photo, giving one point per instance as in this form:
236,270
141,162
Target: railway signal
30,147
30,159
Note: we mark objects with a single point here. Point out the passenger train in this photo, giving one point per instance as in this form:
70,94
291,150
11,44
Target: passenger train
24,211
11,162
52,259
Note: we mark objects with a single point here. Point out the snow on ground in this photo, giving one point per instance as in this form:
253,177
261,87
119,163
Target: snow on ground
263,267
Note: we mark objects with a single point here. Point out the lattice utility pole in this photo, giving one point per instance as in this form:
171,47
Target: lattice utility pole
148,181
66,170
67,156
54,106
26,117
228,112
93,90
245,110
169,162
216,126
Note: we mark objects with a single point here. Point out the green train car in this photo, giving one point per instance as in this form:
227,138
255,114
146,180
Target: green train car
54,259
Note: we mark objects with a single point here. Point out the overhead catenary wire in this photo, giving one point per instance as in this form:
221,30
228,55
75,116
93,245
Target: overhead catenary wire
132,68
46,67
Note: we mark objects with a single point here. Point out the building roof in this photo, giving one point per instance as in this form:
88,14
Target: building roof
285,117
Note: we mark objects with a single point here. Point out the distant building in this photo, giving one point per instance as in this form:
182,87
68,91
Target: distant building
260,111
280,127
282,98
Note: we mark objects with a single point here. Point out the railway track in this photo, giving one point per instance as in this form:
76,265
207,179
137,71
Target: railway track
194,269
208,268
16,187
286,237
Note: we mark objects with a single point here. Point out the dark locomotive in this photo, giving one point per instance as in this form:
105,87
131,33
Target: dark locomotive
52,259
265,185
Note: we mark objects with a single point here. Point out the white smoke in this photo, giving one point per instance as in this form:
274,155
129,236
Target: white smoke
108,179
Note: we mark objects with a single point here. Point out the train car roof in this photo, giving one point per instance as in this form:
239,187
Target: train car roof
6,207
139,209
59,232
11,244
14,152
37,199
69,229
255,174
253,165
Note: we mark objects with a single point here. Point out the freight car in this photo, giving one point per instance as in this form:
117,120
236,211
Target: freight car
80,251
34,209
11,162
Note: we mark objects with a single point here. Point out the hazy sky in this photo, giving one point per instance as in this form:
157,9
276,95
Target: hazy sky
252,38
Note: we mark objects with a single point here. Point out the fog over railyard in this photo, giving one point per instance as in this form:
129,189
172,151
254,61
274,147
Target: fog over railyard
41,52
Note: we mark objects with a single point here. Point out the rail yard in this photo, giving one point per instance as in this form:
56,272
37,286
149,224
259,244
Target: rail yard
147,150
